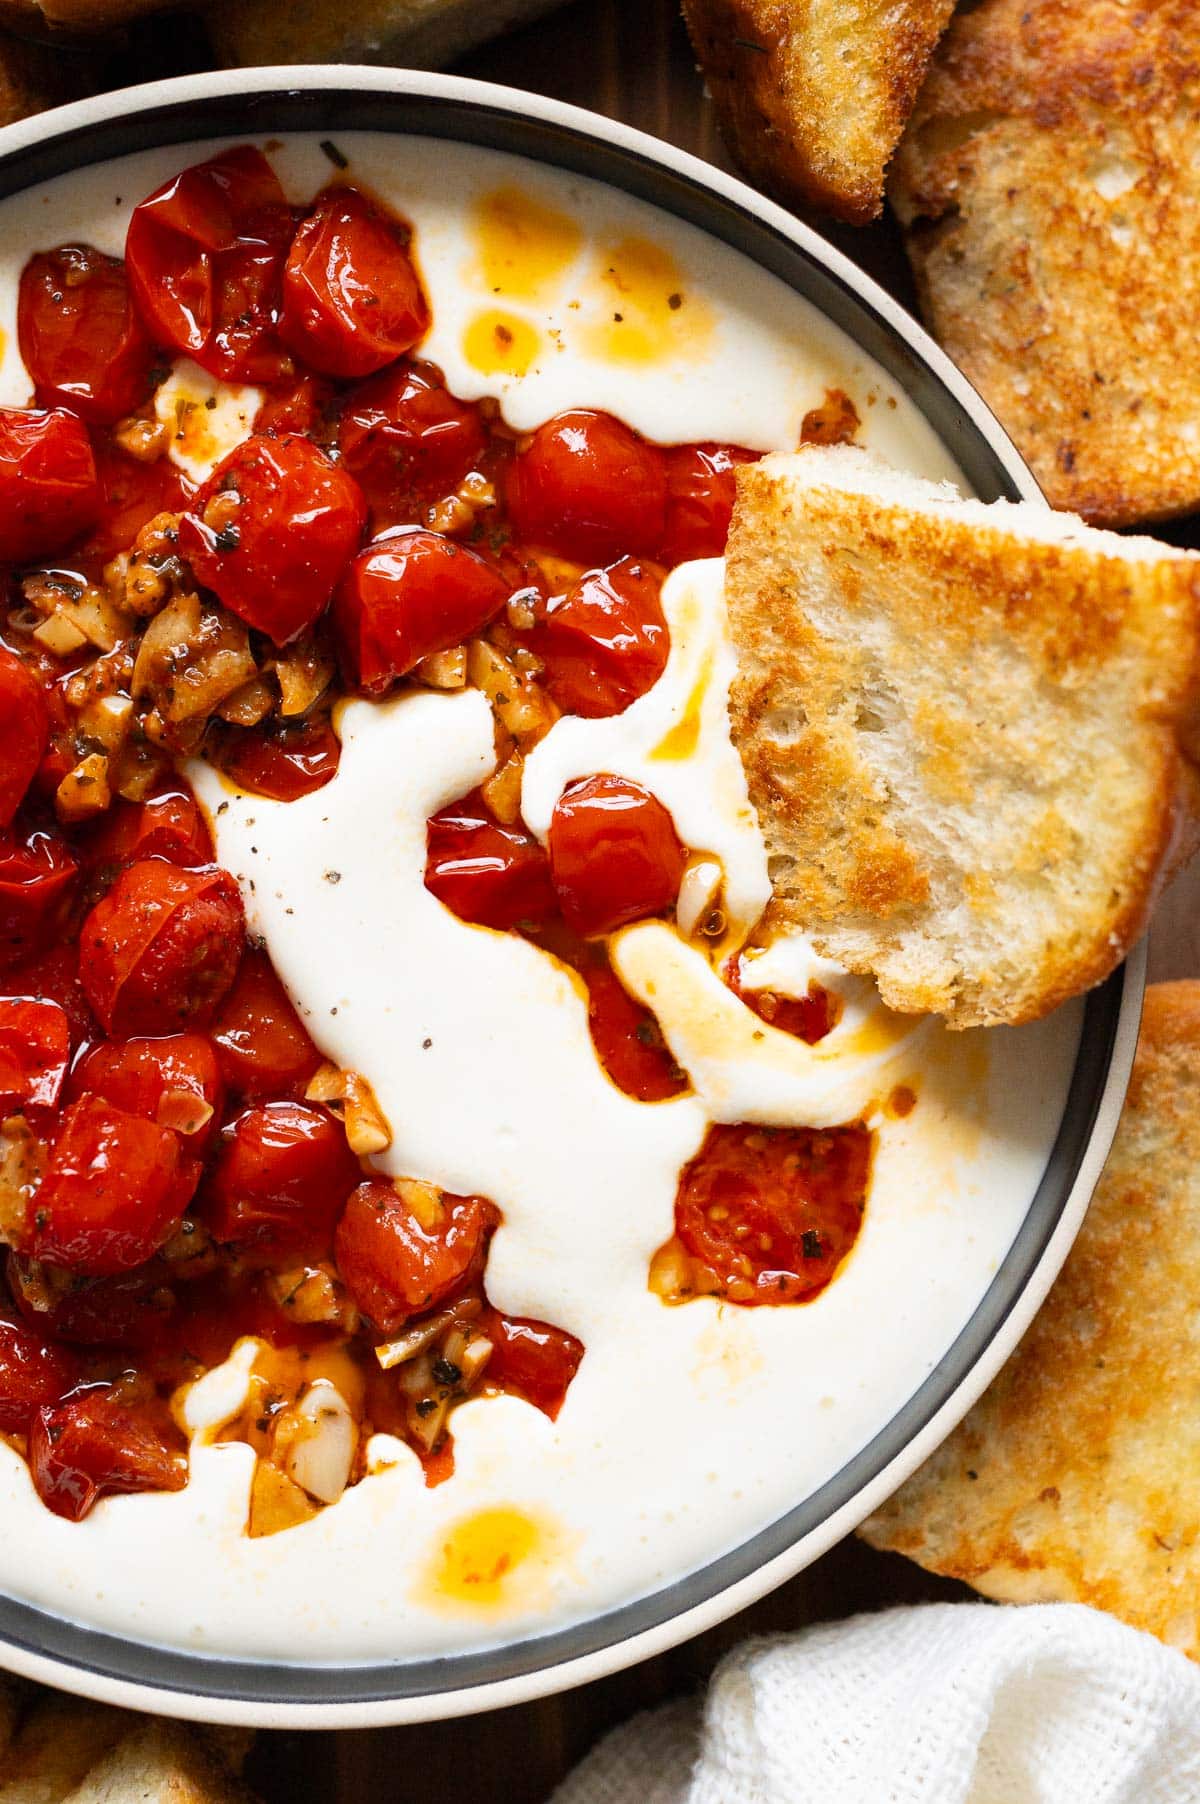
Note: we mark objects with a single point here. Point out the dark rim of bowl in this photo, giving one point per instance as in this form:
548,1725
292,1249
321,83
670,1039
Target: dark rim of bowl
572,148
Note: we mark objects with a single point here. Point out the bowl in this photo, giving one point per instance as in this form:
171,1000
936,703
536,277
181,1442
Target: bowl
213,1683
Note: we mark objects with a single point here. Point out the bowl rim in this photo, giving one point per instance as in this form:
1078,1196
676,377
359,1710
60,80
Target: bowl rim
119,1669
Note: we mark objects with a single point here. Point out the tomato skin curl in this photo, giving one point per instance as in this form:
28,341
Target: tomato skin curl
161,950
115,1187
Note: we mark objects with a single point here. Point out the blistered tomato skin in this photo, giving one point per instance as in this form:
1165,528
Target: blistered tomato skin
38,876
282,762
49,494
393,1266
484,872
405,596
606,642
587,487
407,441
33,1372
262,1046
24,731
166,825
81,339
701,486
294,522
115,1187
280,1179
175,1081
352,299
614,855
204,255
89,1446
161,950
531,1359
35,1047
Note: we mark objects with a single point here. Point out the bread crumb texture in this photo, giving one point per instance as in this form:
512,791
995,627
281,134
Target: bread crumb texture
1074,1477
1047,181
966,730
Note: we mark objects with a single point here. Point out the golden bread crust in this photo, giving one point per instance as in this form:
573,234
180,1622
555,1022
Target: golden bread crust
1047,184
813,94
1074,1476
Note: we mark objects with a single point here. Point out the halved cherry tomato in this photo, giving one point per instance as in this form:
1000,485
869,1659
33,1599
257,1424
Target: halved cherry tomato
129,1309
352,299
405,596
700,492
205,254
809,1017
280,1179
589,488
262,1045
132,493
772,1212
614,854
296,524
81,340
279,759
115,1186
605,643
49,494
166,825
91,1445
175,1081
35,1045
33,1372
162,948
407,441
37,882
54,976
484,872
393,1266
24,731
530,1359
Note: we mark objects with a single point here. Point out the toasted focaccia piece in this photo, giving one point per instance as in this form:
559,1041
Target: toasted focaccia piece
422,34
163,1763
1047,181
812,95
1074,1477
56,1744
966,729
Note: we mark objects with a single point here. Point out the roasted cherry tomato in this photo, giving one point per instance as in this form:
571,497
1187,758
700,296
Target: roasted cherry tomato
407,441
32,1373
167,825
352,299
628,1040
35,1045
614,854
289,522
405,596
162,948
91,1445
37,881
24,731
530,1359
128,1309
132,493
484,872
809,1017
301,406
175,1082
262,1045
700,492
49,494
770,1213
205,253
54,976
280,1179
81,340
395,1266
605,643
588,488
115,1187
279,759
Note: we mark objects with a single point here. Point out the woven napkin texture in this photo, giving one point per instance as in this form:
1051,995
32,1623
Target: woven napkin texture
937,1704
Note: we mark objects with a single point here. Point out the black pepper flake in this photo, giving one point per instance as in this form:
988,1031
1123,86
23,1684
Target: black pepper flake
425,1045
446,1372
337,157
810,1244
228,539
674,302
333,876
426,1406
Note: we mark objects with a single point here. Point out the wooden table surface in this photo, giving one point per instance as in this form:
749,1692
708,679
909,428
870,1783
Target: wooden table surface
630,60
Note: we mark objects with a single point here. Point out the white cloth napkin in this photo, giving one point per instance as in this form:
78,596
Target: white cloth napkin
940,1703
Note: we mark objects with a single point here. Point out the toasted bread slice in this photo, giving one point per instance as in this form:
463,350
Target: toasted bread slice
30,79
963,727
1047,181
1074,1477
812,95
423,34
56,1745
162,1763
